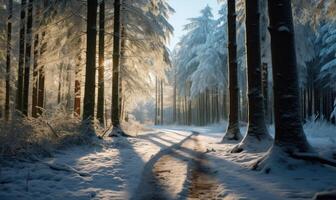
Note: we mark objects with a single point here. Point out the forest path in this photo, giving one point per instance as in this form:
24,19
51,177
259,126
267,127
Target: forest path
180,172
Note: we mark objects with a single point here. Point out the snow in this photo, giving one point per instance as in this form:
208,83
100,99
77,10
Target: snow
168,157
283,29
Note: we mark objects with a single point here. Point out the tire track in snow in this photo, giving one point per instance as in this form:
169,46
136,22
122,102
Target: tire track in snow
179,172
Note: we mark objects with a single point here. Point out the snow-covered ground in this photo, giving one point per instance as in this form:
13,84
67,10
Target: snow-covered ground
169,160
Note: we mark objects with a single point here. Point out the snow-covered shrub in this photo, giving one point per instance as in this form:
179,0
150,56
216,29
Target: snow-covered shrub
40,136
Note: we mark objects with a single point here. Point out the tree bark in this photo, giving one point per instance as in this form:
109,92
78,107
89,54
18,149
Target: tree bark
101,46
122,64
156,102
90,74
233,132
289,134
77,106
41,77
26,82
35,77
116,67
8,59
257,137
161,113
22,39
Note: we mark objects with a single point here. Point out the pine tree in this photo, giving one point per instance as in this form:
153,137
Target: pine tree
257,137
116,67
8,59
26,82
19,93
289,135
100,103
233,132
90,76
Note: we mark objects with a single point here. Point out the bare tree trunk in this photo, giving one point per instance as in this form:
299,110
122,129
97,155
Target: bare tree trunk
161,114
265,90
22,40
116,67
122,64
35,77
77,106
8,59
90,76
156,101
100,103
233,132
289,134
174,97
257,137
26,84
60,81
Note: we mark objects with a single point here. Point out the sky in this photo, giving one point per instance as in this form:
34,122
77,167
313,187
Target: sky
185,9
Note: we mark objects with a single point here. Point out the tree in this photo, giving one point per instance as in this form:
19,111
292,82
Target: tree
100,103
233,132
90,76
116,67
289,135
8,59
19,93
27,61
257,137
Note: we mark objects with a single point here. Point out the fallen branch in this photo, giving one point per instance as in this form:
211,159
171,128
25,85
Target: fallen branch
64,167
314,157
61,167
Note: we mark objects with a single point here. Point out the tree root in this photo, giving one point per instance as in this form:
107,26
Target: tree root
314,157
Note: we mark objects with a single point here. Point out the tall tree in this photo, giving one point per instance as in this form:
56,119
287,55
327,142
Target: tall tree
19,93
289,135
101,53
8,59
161,103
35,77
257,137
77,103
41,75
29,38
116,67
233,132
90,74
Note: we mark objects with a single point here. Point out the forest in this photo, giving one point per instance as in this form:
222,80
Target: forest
167,99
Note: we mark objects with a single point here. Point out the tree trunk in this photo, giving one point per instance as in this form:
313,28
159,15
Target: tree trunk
289,134
156,102
8,59
122,64
101,46
257,137
90,74
77,106
19,93
161,114
174,97
41,72
233,132
265,90
35,77
116,67
26,84
60,80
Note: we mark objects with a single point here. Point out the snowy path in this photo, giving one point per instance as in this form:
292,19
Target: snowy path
166,163
179,172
